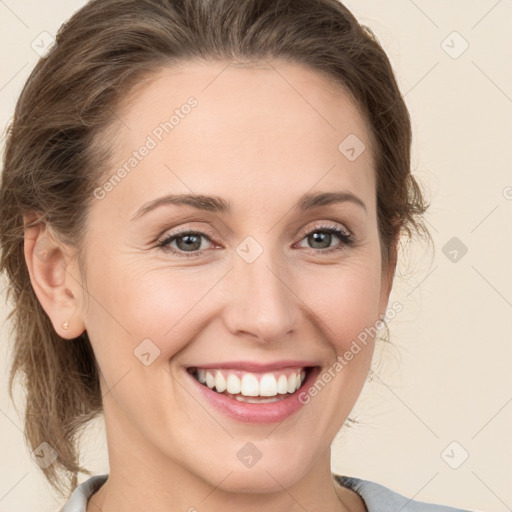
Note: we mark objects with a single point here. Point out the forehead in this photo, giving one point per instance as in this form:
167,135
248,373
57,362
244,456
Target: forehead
275,125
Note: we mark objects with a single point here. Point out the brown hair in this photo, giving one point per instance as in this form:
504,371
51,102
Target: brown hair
54,156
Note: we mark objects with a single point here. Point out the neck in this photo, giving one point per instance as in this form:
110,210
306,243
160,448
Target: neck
143,478
136,486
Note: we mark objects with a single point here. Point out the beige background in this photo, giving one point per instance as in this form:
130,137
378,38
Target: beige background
448,376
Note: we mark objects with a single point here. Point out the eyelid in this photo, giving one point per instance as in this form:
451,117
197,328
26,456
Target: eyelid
322,225
345,236
185,229
210,232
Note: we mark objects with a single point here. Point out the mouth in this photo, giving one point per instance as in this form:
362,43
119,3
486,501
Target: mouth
253,387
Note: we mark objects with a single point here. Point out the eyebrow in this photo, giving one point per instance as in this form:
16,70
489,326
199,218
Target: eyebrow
217,204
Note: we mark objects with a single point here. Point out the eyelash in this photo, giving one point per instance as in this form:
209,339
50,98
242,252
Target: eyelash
347,240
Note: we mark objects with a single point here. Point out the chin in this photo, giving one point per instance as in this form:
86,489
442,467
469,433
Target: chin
259,481
278,467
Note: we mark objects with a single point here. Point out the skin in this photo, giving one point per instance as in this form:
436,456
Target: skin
259,138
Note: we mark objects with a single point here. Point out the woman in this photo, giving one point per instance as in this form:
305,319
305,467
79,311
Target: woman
201,209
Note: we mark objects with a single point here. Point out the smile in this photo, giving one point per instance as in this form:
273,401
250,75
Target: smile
242,385
252,393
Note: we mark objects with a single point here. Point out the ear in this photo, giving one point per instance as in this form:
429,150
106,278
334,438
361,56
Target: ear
51,278
388,273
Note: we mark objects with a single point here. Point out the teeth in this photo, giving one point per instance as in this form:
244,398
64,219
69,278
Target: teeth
282,385
249,400
210,380
250,385
268,384
201,377
220,382
233,384
292,383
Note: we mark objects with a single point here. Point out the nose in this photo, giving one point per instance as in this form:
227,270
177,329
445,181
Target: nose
261,303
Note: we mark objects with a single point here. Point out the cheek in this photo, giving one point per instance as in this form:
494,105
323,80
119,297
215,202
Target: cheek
148,316
345,300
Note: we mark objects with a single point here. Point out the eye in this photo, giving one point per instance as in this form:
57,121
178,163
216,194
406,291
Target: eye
188,243
321,236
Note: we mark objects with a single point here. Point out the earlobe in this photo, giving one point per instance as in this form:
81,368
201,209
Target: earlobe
49,275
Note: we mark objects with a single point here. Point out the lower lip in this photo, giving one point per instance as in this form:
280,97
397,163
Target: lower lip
256,413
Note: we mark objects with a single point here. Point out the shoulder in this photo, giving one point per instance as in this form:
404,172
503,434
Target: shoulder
77,502
379,498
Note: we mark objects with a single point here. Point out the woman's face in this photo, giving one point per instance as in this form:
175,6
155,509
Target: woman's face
258,287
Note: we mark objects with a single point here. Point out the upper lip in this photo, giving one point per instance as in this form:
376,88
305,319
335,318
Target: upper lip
251,366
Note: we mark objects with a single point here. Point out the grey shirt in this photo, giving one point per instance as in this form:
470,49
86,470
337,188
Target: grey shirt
376,497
